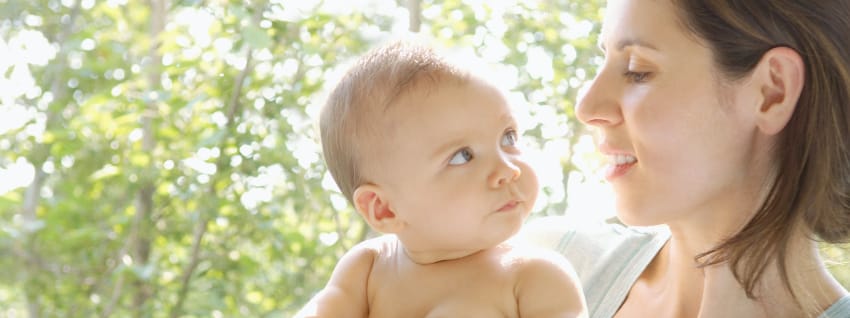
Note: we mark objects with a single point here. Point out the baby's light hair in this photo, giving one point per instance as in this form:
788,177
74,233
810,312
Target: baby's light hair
352,122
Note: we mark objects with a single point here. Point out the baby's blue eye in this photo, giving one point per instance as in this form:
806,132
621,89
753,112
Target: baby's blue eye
461,157
509,139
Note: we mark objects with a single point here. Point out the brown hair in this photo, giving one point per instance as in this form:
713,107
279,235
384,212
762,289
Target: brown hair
352,122
812,180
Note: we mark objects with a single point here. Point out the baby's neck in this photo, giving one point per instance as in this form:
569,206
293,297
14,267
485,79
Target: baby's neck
425,257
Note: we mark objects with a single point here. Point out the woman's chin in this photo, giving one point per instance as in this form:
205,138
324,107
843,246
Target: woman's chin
633,217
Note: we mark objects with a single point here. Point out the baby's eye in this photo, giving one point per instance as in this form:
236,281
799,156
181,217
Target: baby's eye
509,139
461,157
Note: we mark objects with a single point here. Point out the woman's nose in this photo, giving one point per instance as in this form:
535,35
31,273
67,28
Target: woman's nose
598,105
505,172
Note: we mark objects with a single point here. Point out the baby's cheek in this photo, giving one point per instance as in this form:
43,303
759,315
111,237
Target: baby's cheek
531,174
531,186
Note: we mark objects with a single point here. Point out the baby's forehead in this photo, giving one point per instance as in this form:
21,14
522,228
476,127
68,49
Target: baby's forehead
448,105
422,84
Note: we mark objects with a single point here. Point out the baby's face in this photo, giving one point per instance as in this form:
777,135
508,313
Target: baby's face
453,170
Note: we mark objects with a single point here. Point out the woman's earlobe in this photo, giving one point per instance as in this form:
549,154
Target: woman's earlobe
372,204
783,75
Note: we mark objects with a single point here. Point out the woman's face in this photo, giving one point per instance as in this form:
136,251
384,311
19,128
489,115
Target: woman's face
680,139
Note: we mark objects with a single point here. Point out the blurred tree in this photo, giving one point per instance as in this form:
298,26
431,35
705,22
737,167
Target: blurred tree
163,152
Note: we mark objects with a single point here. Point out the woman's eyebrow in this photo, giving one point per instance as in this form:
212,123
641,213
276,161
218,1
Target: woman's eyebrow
628,42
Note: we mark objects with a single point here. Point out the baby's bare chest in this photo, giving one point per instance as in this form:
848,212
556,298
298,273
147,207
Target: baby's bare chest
433,293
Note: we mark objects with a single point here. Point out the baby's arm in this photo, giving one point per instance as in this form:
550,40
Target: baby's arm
548,286
345,293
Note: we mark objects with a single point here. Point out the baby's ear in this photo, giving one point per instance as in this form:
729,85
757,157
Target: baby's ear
371,202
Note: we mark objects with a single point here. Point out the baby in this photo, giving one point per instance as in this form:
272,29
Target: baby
429,154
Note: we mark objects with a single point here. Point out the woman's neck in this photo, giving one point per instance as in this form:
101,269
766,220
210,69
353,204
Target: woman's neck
674,280
713,291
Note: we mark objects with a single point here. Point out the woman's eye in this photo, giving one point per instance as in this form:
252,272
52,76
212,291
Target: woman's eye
510,138
637,77
461,157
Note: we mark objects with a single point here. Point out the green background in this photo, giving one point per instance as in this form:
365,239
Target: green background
159,158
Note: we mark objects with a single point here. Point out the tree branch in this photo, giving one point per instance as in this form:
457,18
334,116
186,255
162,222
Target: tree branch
414,8
141,246
233,108
41,152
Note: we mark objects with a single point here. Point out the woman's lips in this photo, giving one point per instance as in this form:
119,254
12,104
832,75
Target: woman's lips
619,163
616,170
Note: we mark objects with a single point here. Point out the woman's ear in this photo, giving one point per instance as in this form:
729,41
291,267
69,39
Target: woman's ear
372,204
782,74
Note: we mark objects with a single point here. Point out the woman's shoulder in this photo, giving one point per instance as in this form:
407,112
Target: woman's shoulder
840,309
560,233
591,246
608,257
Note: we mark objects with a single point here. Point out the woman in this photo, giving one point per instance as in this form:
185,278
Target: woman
726,121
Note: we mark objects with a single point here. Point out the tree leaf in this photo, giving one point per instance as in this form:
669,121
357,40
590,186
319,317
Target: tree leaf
257,38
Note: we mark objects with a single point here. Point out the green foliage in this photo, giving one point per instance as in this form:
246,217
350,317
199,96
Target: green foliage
177,171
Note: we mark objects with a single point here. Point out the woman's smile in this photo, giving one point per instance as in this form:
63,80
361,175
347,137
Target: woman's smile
618,165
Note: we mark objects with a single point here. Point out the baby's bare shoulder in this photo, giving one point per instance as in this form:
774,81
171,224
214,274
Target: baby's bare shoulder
379,246
541,273
541,266
525,255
